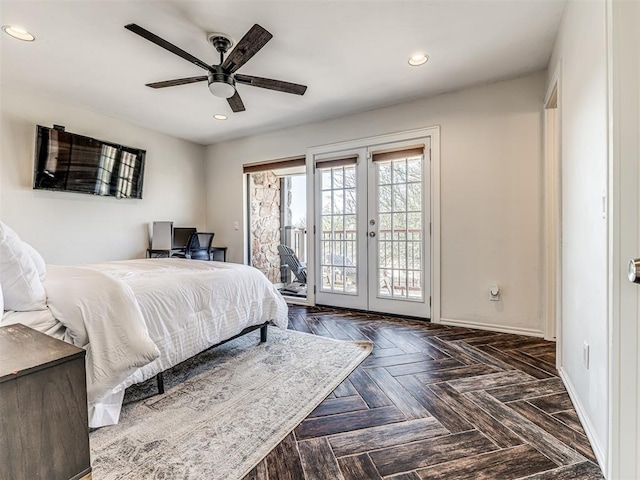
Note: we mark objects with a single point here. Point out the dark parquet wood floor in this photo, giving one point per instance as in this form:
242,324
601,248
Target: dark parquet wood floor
435,402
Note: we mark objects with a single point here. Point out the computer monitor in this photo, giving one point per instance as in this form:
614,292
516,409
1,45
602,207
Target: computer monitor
181,236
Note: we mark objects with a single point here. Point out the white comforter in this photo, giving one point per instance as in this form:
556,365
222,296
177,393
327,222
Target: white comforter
137,318
189,305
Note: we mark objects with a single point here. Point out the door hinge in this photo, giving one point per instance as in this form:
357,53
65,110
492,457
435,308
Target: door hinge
429,228
429,301
314,289
314,229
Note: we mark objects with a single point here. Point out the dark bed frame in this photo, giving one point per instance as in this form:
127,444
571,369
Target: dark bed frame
263,338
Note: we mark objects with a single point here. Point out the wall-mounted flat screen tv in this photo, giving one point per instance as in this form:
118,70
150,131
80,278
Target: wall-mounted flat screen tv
74,163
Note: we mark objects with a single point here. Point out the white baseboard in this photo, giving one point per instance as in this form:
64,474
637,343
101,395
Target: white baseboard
584,419
494,328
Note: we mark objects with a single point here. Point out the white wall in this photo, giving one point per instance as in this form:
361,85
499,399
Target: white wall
491,163
70,228
581,48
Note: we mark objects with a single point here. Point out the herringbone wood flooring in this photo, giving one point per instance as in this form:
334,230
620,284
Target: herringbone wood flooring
435,402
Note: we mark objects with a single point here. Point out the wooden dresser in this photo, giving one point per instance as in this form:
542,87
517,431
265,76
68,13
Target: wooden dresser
44,432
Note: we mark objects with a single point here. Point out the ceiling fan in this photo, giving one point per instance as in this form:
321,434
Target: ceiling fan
222,78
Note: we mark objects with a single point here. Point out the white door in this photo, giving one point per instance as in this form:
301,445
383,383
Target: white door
398,224
341,229
624,448
372,229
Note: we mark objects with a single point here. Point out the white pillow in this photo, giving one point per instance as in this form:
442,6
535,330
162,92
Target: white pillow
21,285
38,261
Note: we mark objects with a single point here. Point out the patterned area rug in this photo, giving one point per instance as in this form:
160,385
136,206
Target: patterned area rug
224,409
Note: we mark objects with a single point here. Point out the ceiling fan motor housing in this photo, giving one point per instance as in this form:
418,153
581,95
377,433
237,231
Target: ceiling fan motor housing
221,84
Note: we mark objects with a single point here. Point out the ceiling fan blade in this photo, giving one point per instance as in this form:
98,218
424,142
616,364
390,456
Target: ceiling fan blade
177,81
166,45
256,38
271,84
235,103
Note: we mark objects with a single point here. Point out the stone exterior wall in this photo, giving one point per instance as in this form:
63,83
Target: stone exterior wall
264,197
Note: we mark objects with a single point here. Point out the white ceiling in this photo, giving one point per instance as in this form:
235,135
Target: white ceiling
351,54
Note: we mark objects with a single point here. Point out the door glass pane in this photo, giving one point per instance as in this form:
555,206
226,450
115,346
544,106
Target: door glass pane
350,178
399,208
414,197
350,224
400,198
326,278
384,173
338,178
326,180
350,200
399,172
339,235
326,202
384,198
338,201
414,169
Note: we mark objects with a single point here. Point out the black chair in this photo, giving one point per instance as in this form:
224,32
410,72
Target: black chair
198,247
288,259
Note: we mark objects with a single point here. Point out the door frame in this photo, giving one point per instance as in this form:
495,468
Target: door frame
552,251
434,135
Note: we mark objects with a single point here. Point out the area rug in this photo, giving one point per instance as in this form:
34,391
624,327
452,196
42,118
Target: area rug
223,410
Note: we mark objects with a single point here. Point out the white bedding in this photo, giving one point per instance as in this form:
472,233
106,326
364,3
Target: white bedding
137,318
205,302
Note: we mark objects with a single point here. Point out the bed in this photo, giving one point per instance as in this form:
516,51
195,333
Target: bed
134,318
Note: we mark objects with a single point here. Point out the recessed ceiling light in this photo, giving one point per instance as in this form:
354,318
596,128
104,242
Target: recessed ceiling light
219,116
18,32
418,59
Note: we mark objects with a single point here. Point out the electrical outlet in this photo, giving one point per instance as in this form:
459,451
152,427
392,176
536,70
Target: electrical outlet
585,355
494,293
236,226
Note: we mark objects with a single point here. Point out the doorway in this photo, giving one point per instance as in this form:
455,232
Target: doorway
372,217
277,223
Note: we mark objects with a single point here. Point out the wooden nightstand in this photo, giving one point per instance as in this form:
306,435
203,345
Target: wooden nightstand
44,430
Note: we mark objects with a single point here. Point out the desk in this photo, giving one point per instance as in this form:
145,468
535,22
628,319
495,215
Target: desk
217,253
151,253
222,251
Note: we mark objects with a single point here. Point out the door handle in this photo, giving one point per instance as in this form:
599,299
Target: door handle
634,270
372,234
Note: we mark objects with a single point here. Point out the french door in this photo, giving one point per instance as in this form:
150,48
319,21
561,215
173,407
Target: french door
372,228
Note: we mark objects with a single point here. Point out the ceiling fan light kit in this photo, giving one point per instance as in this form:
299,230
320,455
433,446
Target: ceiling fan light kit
220,84
222,78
